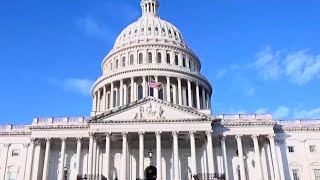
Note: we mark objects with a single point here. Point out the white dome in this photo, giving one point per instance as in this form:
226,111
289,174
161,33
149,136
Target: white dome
149,27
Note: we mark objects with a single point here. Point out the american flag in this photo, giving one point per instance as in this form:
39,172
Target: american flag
153,84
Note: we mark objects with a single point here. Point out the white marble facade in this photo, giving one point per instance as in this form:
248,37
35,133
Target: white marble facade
172,121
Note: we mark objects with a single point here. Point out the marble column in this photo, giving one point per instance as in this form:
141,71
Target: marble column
62,158
179,91
94,155
121,93
78,160
99,100
112,96
7,146
259,175
176,155
159,164
132,89
241,160
198,95
94,102
144,87
189,94
141,155
107,156
30,160
168,89
124,156
193,153
156,90
210,152
204,98
106,100
90,153
224,155
274,157
46,159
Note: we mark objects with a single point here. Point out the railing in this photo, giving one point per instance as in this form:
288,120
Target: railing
91,177
245,117
299,122
67,120
209,176
13,128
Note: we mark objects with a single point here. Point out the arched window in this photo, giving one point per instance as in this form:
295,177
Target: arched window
189,64
131,59
160,92
168,58
140,58
150,57
111,66
123,61
140,92
184,62
159,58
176,61
117,64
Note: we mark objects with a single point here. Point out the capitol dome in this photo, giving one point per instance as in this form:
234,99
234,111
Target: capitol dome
150,58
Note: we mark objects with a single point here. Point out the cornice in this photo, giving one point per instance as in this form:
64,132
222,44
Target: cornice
297,128
15,133
150,121
244,124
58,127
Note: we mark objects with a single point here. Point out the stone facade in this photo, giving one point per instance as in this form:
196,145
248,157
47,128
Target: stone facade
151,119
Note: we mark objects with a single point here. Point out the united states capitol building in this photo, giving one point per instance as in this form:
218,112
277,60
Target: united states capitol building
152,119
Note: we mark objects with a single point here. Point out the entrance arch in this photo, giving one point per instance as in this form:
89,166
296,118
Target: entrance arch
151,173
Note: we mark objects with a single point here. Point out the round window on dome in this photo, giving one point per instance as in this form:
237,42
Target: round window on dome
156,29
163,30
149,29
129,32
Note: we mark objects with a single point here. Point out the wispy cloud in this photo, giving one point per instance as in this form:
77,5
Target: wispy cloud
92,27
285,112
267,64
281,112
75,85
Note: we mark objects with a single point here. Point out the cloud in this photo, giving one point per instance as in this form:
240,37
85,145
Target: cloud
299,67
281,112
262,111
303,114
221,73
75,85
93,28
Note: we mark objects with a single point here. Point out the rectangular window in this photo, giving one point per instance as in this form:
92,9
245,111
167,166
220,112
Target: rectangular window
317,174
295,174
12,176
312,148
15,153
291,149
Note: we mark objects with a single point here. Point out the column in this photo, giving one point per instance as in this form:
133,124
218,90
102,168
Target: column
198,95
176,155
107,156
132,89
6,145
78,161
189,93
179,91
224,155
94,155
94,102
241,160
30,160
62,158
121,92
141,155
90,153
274,157
159,164
257,157
193,153
168,89
208,101
112,96
210,152
144,87
46,159
99,100
96,172
106,101
124,156
156,90
104,98
204,98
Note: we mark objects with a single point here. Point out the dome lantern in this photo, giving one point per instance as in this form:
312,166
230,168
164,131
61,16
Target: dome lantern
149,7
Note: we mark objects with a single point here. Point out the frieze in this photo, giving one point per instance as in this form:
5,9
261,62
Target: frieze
37,127
148,111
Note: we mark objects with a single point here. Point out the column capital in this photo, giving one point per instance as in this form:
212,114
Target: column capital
78,138
238,137
63,139
209,132
6,145
168,77
37,142
32,140
141,133
124,134
108,134
175,133
222,137
179,78
271,136
192,133
255,136
26,144
91,134
48,139
158,133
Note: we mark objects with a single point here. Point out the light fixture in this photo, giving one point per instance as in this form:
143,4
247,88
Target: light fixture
150,151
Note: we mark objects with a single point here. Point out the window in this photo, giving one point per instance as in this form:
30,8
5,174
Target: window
168,58
159,58
123,61
140,58
12,176
15,152
312,148
117,64
189,64
131,59
160,92
140,92
111,66
184,62
317,174
176,61
295,174
291,149
150,57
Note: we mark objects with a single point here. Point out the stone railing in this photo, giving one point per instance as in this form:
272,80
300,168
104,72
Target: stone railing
302,122
244,117
13,128
60,121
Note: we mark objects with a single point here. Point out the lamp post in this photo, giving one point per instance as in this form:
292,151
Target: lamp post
150,153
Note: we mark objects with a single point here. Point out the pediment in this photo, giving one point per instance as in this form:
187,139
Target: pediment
150,109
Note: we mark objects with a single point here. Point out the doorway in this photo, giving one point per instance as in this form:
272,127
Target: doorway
151,173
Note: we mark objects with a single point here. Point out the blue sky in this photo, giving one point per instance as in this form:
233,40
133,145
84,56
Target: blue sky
260,56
